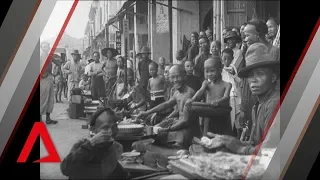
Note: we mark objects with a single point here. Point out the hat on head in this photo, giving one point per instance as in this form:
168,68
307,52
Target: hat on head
231,34
105,50
75,52
257,56
144,50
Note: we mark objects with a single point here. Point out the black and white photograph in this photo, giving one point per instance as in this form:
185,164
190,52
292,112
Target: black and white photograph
161,89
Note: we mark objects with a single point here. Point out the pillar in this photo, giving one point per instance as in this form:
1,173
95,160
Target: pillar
183,23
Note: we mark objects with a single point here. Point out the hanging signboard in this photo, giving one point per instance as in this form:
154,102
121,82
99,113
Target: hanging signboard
162,17
126,28
118,41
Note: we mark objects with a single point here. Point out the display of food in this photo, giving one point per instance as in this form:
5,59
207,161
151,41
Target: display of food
130,128
223,165
212,143
130,157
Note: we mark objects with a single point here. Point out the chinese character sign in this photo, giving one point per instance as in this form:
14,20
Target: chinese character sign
118,41
162,17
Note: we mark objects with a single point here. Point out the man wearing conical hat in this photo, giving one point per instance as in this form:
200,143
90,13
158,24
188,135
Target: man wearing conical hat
110,70
262,72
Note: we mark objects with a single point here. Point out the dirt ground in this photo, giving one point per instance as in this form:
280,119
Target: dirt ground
64,135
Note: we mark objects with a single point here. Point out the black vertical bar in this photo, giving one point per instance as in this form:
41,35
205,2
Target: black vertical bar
170,30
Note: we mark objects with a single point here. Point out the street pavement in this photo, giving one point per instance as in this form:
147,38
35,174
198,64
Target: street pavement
64,135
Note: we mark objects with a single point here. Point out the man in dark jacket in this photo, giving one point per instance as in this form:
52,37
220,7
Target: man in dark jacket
96,158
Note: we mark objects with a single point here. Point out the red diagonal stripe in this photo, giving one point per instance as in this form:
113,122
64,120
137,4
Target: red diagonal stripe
282,98
74,5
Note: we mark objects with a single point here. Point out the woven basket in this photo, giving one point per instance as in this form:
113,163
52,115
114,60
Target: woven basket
130,130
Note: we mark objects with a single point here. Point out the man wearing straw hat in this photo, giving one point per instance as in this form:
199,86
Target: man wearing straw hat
262,72
110,69
143,67
74,70
46,84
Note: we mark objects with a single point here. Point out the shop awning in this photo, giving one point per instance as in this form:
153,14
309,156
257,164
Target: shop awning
125,7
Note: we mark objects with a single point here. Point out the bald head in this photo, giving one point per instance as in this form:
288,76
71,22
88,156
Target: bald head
213,62
177,76
176,69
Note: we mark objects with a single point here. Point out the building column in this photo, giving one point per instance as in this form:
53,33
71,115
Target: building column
152,27
136,34
183,23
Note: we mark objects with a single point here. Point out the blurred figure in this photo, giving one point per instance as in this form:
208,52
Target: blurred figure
193,49
161,63
273,26
215,48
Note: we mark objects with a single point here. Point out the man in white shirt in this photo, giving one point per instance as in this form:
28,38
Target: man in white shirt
87,68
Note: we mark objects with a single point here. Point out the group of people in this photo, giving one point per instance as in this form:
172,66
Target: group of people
211,90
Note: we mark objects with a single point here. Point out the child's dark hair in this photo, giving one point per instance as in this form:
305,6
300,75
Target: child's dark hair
94,117
122,58
228,51
189,61
154,64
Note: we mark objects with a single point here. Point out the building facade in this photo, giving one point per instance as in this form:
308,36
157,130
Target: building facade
163,26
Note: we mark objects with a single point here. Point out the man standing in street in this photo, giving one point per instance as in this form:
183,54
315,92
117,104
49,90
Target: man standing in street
96,74
143,67
110,70
74,70
47,83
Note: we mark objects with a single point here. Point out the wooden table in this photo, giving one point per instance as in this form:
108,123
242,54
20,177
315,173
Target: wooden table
185,170
140,171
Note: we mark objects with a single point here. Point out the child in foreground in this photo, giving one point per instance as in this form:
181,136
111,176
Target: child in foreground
216,93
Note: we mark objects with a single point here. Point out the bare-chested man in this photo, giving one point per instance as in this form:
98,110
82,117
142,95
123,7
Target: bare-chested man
217,93
156,86
176,132
110,68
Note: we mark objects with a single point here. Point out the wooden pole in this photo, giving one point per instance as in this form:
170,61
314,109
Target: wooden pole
170,30
125,60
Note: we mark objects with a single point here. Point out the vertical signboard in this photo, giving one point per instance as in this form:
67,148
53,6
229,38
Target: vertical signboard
118,41
162,17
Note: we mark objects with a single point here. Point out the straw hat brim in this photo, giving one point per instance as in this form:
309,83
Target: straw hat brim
105,50
143,53
238,38
244,72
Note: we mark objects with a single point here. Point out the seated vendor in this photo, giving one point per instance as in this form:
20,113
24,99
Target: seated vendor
96,158
138,98
262,73
84,83
176,132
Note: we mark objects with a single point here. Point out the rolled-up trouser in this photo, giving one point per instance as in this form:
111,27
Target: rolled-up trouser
97,87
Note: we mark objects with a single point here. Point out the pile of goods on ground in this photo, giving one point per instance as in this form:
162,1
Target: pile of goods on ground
223,165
